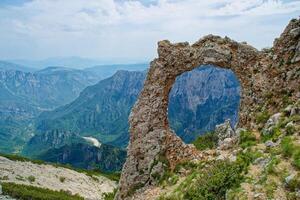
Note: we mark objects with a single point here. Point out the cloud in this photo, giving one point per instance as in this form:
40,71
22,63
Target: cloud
130,29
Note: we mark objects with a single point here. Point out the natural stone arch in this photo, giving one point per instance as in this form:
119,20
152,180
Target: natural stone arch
150,135
152,142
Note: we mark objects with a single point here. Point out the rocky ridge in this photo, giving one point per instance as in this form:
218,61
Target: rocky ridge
54,178
269,81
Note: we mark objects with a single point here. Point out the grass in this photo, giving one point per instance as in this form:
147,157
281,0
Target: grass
287,147
247,139
26,192
262,117
208,181
110,195
296,158
206,141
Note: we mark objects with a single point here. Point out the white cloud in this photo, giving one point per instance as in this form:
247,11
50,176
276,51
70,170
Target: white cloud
130,29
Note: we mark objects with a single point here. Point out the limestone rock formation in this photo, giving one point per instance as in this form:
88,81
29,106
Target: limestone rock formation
227,137
154,146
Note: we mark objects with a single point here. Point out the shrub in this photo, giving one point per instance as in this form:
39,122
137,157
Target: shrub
287,146
296,158
62,179
31,179
270,168
290,130
262,117
247,139
110,195
206,141
212,182
26,192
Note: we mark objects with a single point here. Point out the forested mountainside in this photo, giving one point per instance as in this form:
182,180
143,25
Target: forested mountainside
199,100
107,158
24,95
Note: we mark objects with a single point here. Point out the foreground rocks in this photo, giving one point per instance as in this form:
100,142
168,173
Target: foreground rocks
153,145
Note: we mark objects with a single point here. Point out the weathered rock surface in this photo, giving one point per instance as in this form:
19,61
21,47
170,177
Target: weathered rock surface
153,143
48,176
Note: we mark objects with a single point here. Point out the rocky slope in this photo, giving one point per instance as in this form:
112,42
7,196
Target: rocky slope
54,178
244,164
270,81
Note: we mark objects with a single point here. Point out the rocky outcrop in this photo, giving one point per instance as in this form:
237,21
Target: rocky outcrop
227,137
55,178
153,143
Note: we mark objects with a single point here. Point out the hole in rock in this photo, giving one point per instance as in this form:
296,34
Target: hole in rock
202,98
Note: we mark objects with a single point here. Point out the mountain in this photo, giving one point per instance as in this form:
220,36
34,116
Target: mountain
201,99
105,71
4,65
72,62
24,95
101,111
107,158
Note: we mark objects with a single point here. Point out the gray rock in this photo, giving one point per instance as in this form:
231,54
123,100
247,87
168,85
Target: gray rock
269,144
271,123
289,178
226,135
262,161
224,131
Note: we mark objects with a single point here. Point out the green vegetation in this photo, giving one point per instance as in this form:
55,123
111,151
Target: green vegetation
25,192
287,146
273,134
206,141
62,179
247,139
262,117
296,158
16,157
294,184
209,183
110,195
115,176
31,179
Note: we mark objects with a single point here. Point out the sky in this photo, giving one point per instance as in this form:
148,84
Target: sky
122,30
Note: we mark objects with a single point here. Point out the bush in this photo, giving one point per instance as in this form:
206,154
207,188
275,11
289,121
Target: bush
26,192
110,195
247,139
296,158
273,135
262,117
62,179
206,141
287,147
212,182
31,179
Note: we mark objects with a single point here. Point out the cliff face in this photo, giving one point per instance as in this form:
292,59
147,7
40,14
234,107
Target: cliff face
201,99
106,158
265,77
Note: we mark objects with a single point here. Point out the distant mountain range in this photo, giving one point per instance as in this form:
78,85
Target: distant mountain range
71,62
24,95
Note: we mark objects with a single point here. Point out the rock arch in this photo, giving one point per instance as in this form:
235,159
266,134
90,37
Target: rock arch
152,142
